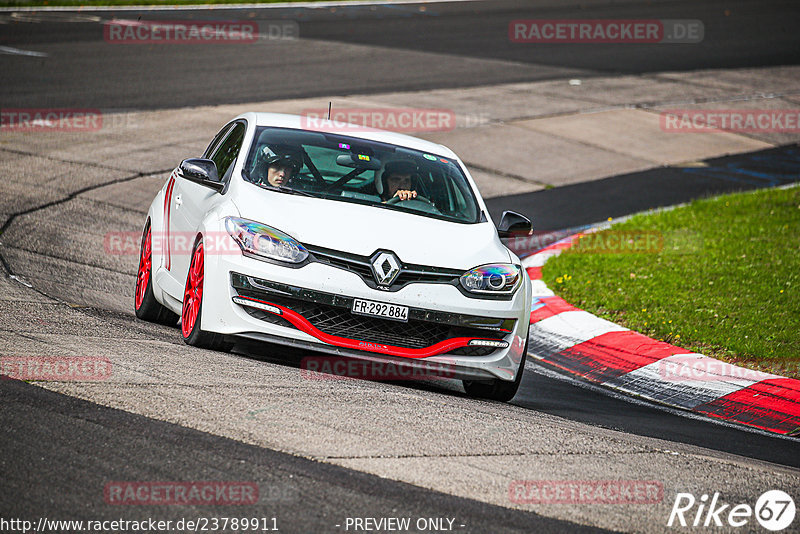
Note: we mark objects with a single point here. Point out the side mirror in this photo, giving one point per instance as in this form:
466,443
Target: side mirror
203,172
512,224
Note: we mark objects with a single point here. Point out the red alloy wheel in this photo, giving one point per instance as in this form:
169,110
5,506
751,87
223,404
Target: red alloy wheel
193,295
145,263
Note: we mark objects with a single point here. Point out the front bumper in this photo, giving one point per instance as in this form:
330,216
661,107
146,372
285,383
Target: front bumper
445,329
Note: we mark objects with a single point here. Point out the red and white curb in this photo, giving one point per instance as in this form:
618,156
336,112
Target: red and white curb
610,355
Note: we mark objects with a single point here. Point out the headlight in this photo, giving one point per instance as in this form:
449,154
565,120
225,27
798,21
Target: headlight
495,279
264,241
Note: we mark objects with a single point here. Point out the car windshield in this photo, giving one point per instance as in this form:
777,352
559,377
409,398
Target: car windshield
355,170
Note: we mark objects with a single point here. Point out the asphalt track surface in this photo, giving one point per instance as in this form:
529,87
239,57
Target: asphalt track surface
367,49
57,450
555,209
89,445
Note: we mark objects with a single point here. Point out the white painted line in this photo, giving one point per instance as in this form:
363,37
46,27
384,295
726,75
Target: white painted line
544,369
540,289
17,52
540,258
307,5
686,380
568,329
36,16
580,323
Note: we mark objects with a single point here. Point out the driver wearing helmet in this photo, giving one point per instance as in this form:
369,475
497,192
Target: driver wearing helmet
275,168
398,180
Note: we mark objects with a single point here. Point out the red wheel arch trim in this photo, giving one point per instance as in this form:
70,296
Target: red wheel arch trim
193,294
167,214
145,264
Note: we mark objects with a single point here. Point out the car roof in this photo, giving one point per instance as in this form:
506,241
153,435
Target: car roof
282,120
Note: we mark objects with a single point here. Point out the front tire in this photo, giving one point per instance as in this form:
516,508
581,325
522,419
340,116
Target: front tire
192,310
499,390
145,304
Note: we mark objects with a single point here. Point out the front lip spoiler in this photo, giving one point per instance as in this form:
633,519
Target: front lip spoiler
302,324
451,371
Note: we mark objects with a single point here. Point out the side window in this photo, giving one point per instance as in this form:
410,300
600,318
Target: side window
216,140
226,153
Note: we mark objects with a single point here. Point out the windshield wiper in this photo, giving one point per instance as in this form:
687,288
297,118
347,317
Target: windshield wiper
287,190
279,189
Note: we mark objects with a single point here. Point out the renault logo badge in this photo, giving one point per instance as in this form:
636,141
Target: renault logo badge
385,268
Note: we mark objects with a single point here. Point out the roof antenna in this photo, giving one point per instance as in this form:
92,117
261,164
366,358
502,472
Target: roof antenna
329,110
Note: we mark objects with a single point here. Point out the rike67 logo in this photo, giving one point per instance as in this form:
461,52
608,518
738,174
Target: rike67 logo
774,510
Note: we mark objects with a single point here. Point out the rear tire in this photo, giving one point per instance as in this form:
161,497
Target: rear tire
499,390
192,311
145,304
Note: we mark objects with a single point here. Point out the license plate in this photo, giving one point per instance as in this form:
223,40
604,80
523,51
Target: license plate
380,309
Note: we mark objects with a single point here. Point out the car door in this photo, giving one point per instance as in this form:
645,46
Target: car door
191,201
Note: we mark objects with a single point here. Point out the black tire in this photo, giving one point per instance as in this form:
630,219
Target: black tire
499,390
146,306
196,336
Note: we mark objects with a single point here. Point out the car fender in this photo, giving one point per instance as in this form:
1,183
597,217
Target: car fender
518,354
155,216
218,243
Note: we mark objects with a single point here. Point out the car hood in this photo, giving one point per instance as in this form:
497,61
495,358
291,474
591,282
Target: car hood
360,229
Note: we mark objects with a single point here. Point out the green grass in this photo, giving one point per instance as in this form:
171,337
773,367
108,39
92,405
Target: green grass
77,3
726,283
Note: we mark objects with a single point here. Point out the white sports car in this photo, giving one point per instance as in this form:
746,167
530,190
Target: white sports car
362,243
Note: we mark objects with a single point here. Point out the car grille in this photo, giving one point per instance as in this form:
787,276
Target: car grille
339,321
360,265
268,317
472,351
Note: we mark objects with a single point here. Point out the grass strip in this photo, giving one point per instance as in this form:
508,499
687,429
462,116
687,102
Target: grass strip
720,277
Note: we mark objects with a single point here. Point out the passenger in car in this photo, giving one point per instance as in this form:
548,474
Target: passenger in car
275,168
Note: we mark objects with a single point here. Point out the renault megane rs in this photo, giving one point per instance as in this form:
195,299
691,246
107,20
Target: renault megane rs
362,243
